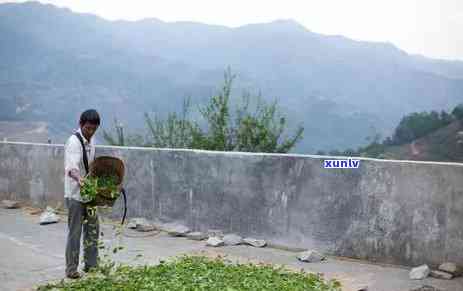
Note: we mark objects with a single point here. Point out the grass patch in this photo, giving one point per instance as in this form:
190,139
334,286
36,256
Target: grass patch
197,273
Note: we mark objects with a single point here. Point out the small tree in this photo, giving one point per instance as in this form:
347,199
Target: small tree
458,112
120,138
219,130
350,153
260,130
418,124
263,131
174,131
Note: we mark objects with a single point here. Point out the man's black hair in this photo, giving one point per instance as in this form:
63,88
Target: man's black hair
91,116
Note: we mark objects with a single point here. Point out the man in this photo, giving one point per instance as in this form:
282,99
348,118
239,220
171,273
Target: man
79,219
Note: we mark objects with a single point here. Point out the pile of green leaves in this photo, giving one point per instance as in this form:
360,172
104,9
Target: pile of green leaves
94,185
199,273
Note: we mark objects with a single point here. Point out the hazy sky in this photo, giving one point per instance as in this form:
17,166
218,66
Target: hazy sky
430,27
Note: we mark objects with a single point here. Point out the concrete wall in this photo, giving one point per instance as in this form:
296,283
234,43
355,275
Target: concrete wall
387,211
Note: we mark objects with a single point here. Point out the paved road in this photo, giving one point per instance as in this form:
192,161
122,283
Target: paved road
32,254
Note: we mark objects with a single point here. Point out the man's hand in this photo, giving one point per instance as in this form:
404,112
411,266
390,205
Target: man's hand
74,174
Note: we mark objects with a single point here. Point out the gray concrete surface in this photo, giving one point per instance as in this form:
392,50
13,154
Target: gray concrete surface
33,255
385,211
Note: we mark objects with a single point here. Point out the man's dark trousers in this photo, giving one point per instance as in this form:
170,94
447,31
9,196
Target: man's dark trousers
80,219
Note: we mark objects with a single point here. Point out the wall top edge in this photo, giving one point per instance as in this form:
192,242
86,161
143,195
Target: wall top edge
242,153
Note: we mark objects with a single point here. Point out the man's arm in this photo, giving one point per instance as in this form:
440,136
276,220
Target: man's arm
73,156
75,174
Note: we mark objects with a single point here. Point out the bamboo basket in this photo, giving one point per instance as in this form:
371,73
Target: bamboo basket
107,166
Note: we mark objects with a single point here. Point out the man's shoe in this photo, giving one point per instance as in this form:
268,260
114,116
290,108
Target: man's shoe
74,275
88,269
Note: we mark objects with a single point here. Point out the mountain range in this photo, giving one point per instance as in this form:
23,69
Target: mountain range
54,63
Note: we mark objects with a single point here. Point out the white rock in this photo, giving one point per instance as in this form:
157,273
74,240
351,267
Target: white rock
440,275
258,243
310,256
420,272
451,268
232,239
48,218
215,242
196,236
10,204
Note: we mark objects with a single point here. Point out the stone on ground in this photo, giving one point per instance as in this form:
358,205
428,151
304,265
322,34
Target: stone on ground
258,243
425,288
196,236
145,227
310,256
451,268
134,221
48,217
232,239
440,275
215,242
10,204
215,233
141,224
420,272
178,230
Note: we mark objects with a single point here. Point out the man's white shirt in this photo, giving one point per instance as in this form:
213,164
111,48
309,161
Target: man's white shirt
73,159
